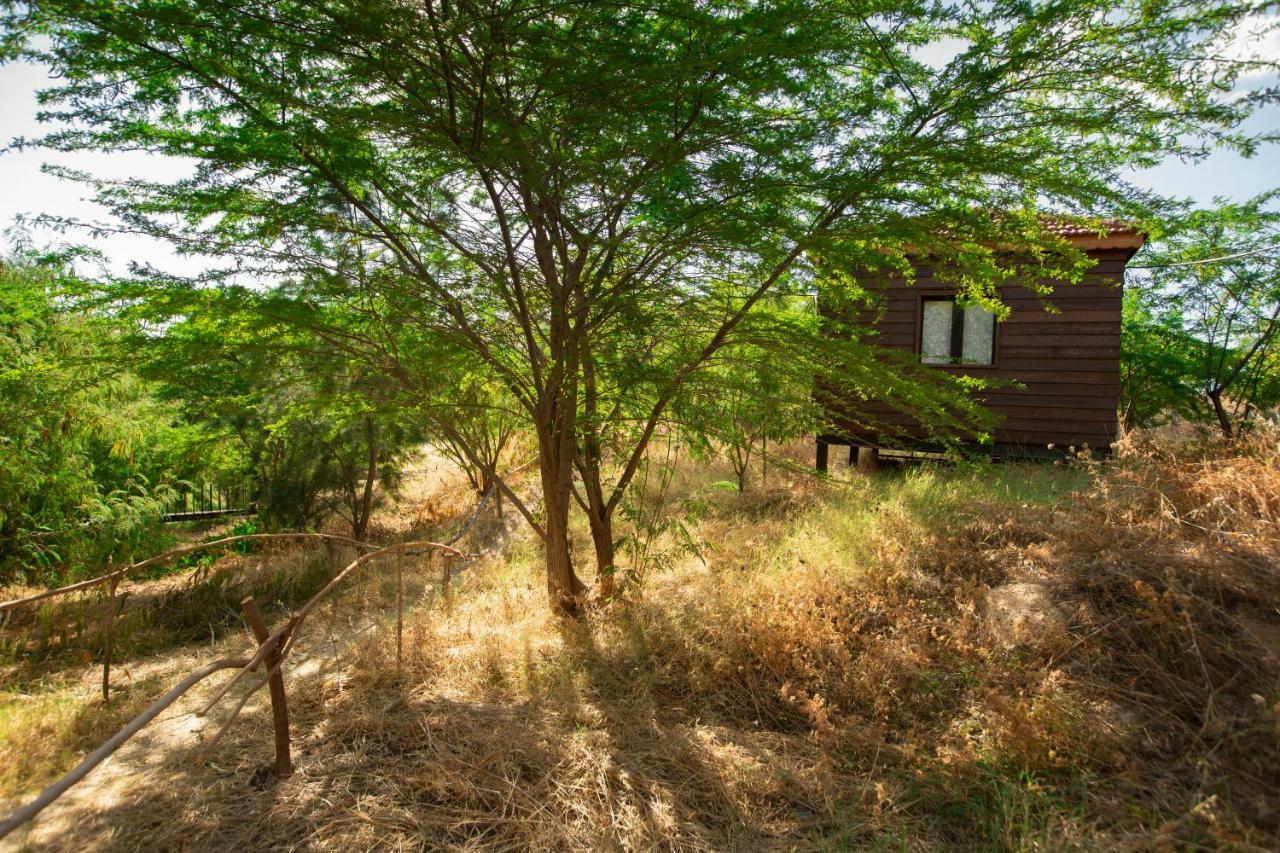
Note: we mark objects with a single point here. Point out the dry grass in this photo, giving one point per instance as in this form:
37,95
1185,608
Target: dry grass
819,676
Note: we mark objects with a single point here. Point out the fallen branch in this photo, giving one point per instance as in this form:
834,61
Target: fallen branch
475,514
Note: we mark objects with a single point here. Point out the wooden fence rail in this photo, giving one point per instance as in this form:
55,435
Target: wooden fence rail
160,559
93,759
273,647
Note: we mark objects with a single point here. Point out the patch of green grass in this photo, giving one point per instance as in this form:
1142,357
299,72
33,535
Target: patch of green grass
1000,806
872,523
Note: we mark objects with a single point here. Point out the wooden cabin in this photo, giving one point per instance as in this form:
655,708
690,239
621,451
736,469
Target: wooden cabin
1067,363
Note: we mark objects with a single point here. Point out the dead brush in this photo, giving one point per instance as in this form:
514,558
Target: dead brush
1228,492
1172,553
825,680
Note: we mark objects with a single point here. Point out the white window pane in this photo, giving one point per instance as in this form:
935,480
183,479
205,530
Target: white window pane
935,345
979,335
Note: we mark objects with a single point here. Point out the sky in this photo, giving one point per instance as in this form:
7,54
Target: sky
26,190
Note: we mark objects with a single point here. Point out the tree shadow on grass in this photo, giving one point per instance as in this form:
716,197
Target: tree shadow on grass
566,747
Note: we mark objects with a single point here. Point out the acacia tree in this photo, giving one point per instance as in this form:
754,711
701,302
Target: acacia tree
1217,275
554,186
1160,363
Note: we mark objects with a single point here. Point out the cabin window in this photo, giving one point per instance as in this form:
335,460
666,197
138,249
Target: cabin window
951,334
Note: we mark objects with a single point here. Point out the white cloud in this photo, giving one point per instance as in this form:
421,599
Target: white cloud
1254,39
937,54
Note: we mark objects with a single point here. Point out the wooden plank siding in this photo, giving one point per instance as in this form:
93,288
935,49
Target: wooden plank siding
1067,362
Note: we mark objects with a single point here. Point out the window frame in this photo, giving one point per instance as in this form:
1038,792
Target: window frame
939,294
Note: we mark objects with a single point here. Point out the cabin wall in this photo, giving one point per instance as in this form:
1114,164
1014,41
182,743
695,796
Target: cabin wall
1069,361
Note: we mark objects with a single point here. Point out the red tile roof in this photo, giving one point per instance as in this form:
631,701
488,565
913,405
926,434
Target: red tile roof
1107,234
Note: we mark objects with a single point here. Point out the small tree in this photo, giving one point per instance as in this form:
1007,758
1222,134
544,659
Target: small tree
1218,275
1159,364
758,389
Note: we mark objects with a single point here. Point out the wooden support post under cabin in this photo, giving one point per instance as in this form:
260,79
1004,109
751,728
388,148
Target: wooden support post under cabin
275,681
822,456
868,459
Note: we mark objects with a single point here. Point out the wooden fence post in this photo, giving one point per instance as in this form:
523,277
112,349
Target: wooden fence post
333,560
399,612
279,708
108,633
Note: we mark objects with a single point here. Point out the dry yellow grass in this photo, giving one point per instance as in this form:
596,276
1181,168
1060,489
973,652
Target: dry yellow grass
819,676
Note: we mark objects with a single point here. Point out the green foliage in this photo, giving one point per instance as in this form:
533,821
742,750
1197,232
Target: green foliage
1159,364
758,390
285,404
88,455
1202,337
592,202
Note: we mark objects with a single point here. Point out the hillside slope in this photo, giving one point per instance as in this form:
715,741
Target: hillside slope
1000,657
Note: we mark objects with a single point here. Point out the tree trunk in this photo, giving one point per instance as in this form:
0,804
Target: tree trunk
1224,420
599,517
588,460
563,587
360,519
602,539
741,459
556,455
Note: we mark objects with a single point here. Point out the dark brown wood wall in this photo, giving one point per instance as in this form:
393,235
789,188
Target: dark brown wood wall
1068,362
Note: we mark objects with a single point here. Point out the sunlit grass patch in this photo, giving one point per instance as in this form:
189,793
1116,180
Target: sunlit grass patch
44,733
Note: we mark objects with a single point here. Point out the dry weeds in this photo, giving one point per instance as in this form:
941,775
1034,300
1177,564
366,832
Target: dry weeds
819,677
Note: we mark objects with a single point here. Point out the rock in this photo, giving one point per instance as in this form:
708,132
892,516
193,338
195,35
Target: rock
1023,614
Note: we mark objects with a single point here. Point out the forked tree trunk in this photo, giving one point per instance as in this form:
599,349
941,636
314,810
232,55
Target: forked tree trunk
599,514
556,455
602,540
741,460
